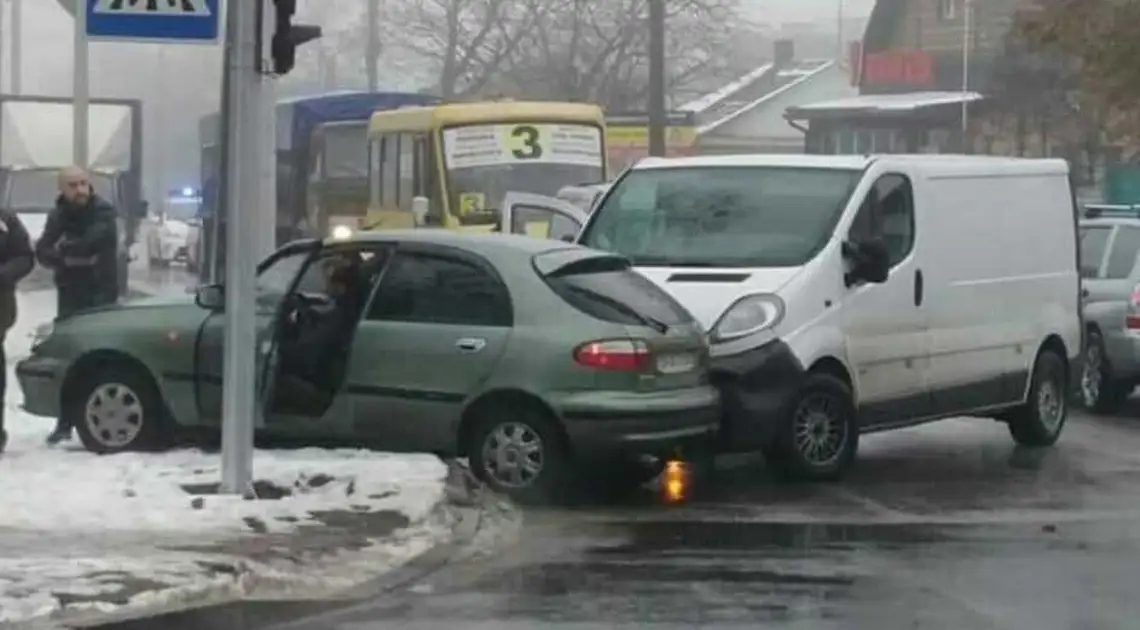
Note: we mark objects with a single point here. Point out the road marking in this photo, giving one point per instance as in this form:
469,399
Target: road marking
183,8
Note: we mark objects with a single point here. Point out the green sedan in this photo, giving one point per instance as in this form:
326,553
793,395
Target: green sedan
533,358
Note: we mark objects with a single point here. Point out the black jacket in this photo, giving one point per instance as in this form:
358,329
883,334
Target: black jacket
81,245
16,261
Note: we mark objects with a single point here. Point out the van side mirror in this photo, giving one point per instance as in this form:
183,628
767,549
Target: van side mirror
210,297
870,262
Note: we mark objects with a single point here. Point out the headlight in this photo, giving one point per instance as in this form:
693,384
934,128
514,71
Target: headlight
750,314
341,232
41,334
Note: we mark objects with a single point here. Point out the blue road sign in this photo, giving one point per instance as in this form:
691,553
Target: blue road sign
158,21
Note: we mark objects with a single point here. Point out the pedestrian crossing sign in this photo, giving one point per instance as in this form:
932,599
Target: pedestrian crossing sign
156,21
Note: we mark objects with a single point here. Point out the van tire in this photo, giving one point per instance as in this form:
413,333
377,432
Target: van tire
1040,420
1100,390
822,404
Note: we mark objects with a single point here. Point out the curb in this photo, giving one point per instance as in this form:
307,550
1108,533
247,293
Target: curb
462,503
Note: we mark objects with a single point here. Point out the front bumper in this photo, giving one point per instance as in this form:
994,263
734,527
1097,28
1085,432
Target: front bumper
756,386
608,425
40,380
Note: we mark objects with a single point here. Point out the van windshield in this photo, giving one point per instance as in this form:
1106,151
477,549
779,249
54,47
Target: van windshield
723,216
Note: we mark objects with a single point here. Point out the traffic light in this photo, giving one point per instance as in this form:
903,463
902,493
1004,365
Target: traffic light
287,36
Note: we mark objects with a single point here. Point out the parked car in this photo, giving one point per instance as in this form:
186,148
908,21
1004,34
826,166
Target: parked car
172,238
1110,242
850,294
534,358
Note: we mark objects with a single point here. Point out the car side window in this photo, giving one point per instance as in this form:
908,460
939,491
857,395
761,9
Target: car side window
430,288
887,214
1122,256
1093,242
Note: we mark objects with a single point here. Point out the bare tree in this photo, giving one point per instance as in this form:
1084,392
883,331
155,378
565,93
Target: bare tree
467,42
593,51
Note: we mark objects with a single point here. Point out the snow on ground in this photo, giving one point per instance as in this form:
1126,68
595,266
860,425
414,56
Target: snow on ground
103,532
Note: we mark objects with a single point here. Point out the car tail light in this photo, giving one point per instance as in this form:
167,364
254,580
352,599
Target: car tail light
1132,318
619,355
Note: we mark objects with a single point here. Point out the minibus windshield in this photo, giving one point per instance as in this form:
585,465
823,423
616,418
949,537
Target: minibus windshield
722,216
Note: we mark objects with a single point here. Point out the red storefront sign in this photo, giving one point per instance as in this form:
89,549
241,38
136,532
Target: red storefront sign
899,66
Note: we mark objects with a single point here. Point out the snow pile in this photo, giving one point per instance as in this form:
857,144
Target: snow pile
139,531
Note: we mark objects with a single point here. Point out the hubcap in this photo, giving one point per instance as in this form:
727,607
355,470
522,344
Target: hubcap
1091,376
114,415
820,430
513,455
1050,404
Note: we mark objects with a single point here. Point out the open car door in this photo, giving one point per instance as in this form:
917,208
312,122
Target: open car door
541,216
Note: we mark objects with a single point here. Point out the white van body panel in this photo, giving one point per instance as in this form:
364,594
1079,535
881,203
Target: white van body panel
993,260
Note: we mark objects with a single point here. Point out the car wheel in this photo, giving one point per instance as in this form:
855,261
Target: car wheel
519,451
820,433
117,408
1100,390
1039,421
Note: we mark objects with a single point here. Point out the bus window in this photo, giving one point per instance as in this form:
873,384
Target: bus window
422,166
389,165
374,161
407,172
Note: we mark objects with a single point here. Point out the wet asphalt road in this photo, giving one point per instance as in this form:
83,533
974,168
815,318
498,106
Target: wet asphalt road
943,526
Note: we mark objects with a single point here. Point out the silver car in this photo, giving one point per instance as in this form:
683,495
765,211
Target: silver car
1110,241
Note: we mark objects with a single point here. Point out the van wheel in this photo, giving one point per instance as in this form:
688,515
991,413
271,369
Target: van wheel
1039,421
1100,390
519,451
820,433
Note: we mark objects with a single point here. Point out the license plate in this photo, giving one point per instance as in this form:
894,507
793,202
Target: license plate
676,363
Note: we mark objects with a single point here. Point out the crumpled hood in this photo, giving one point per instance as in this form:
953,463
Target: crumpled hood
707,292
153,302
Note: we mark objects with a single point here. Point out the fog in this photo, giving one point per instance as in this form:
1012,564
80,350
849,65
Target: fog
178,84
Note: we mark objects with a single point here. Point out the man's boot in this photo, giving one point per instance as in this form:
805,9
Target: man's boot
62,433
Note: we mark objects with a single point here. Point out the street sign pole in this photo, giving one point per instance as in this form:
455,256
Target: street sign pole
80,89
240,391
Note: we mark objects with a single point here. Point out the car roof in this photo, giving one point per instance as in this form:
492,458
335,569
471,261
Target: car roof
939,162
478,242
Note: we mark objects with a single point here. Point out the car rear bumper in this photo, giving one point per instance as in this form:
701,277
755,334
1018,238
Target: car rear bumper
40,379
607,425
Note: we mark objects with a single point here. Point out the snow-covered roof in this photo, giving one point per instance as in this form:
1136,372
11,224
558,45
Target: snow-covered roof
701,104
908,101
797,76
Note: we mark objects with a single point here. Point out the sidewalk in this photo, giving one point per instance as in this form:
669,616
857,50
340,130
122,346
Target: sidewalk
70,550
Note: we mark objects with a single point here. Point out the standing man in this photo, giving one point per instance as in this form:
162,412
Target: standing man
80,244
16,261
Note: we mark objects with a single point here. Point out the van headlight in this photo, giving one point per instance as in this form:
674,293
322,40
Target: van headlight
341,232
750,314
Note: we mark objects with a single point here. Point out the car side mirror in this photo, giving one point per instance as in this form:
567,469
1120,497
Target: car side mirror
870,262
210,296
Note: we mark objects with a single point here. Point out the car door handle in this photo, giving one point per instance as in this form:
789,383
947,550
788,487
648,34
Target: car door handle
470,344
918,288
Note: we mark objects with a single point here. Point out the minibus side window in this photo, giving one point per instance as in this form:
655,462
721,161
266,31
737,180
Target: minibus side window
887,214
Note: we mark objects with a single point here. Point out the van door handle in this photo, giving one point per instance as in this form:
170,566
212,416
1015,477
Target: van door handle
918,287
470,344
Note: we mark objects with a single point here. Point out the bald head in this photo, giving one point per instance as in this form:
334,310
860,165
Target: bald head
74,185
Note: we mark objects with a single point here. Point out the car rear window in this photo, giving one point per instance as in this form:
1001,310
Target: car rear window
607,288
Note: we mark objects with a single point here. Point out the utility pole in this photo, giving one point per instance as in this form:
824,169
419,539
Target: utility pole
967,36
80,87
371,62
240,391
657,109
17,80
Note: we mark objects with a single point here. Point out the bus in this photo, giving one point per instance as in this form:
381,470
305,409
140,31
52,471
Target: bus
322,163
459,160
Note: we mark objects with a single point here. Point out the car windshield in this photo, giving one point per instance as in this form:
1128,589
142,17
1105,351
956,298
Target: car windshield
721,216
485,162
36,190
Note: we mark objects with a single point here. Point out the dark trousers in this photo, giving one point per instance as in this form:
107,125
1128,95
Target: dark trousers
3,381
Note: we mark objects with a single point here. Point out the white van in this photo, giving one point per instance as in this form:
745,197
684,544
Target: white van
853,294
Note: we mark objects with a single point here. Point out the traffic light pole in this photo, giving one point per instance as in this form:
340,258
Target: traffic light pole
240,389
